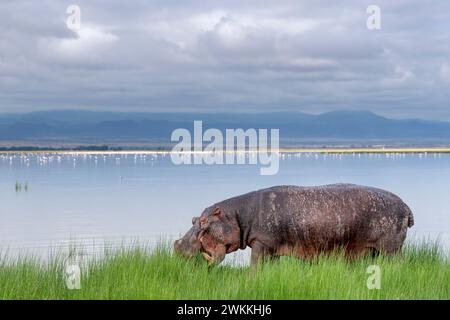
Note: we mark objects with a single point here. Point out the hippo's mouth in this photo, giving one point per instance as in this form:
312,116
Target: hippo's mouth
207,255
210,257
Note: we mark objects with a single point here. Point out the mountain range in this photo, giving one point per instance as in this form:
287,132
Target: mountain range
75,126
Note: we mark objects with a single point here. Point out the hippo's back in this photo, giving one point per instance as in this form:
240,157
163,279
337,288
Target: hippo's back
345,201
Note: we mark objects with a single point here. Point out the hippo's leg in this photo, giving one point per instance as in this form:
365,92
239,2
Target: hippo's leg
391,243
389,249
353,252
374,252
260,252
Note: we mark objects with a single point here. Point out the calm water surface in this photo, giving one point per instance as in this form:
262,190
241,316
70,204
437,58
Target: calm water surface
120,199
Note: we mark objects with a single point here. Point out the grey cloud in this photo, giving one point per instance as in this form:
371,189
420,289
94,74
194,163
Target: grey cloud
226,56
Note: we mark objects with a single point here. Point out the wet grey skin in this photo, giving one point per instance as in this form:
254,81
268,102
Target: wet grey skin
300,222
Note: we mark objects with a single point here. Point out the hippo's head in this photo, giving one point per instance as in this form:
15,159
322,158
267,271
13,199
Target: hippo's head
189,245
214,234
219,234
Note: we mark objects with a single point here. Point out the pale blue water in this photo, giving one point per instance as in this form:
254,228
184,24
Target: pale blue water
93,199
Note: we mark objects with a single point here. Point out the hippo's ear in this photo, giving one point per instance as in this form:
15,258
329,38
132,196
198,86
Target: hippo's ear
194,220
217,212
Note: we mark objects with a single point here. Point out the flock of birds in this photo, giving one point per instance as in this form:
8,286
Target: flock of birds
46,159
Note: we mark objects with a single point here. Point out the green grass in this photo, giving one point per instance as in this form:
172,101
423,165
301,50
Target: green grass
419,272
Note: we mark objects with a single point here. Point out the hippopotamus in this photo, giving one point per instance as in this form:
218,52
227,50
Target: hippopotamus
301,222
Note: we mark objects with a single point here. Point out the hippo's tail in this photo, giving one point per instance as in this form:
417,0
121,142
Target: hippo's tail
410,216
410,220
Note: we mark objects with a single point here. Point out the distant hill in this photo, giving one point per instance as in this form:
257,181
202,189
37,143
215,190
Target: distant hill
105,127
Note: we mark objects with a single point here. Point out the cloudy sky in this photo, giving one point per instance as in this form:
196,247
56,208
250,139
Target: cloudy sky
230,55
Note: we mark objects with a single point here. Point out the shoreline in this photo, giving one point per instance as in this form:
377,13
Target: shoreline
332,150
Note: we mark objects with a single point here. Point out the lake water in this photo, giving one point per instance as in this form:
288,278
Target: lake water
117,199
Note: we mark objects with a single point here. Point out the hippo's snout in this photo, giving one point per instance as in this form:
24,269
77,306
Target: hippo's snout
189,245
185,248
177,246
